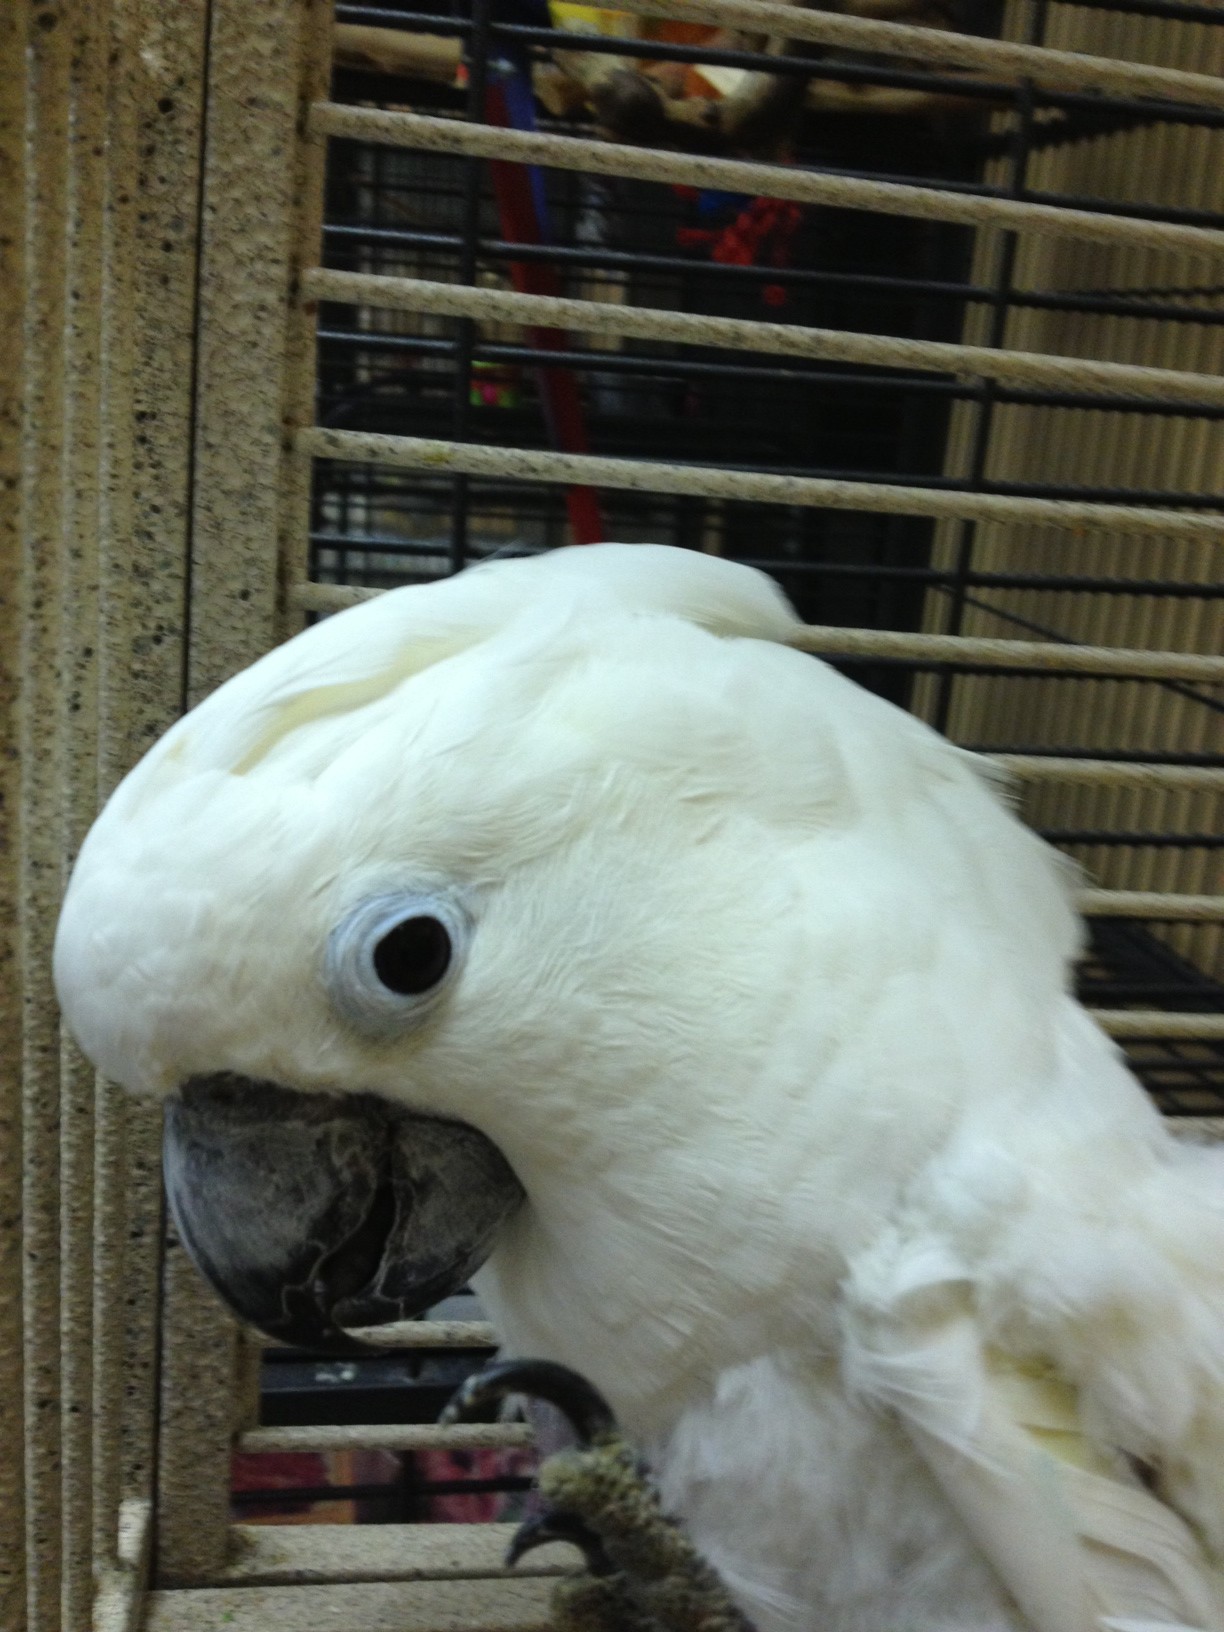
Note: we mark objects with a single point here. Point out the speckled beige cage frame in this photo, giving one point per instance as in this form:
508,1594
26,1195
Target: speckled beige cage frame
160,182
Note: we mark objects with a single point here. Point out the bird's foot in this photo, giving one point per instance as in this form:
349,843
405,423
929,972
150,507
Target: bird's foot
643,1573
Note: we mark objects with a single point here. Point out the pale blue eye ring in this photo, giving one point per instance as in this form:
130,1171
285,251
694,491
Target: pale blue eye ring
391,958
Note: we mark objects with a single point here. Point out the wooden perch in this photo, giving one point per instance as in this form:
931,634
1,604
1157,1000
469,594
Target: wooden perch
430,57
647,106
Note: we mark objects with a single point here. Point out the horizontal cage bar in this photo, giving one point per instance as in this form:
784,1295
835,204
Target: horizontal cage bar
739,334
1152,904
653,476
1159,1023
1110,772
441,135
670,369
1103,660
392,1436
1067,70
1117,303
891,71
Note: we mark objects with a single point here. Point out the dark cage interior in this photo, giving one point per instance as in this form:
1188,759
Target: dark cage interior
406,214
396,211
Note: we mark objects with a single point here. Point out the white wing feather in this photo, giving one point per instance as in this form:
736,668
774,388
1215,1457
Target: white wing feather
1076,1538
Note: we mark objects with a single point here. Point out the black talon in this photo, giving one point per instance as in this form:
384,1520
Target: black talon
583,1407
554,1525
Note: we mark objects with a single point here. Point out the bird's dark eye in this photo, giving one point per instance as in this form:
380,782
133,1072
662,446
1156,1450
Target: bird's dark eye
392,957
414,956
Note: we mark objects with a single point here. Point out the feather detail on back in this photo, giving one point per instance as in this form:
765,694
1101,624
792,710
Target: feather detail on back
1070,1530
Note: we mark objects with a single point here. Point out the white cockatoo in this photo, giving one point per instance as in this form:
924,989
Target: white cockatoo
560,916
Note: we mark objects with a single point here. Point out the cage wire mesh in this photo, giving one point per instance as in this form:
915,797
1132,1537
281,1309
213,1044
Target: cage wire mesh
932,334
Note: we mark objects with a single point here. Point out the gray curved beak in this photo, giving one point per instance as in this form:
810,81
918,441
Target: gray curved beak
310,1213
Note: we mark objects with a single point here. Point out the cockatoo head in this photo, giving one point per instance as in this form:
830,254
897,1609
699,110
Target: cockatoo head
561,879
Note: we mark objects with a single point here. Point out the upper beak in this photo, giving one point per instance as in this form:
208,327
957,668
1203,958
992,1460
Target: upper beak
310,1213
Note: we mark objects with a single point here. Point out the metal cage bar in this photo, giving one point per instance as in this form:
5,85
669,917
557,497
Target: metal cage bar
439,135
1168,386
653,476
1071,70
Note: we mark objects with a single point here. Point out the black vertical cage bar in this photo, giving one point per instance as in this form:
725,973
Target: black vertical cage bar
469,239
1000,304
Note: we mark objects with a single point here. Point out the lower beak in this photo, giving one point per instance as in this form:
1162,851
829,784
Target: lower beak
311,1213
